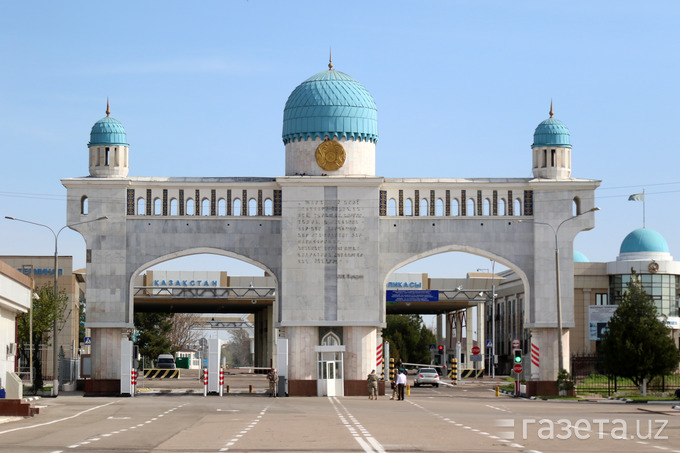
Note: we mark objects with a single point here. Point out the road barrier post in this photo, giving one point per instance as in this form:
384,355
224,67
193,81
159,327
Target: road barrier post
205,382
221,381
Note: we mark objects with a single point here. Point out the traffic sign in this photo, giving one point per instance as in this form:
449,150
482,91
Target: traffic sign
515,343
476,350
488,344
517,368
433,347
88,341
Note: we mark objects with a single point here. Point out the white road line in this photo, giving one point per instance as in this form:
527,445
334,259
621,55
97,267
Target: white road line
245,431
56,421
368,443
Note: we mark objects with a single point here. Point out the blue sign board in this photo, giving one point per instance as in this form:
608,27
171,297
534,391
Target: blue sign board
88,341
408,295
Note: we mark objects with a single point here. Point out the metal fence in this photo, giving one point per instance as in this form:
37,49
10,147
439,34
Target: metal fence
585,370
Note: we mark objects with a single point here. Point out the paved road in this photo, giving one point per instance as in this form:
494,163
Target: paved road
467,418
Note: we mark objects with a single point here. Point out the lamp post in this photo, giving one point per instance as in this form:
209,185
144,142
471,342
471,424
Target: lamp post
560,348
55,363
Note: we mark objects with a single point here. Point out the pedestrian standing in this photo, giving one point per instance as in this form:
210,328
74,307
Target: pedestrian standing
273,379
401,384
372,382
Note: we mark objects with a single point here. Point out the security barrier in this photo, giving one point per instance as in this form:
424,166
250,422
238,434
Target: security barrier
474,374
161,374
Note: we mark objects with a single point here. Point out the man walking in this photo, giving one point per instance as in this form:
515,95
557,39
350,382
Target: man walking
372,386
401,384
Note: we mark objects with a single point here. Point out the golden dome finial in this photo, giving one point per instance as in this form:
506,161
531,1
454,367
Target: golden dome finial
330,59
551,109
108,110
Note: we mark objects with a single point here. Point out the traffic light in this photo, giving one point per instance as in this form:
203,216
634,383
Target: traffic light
517,355
440,349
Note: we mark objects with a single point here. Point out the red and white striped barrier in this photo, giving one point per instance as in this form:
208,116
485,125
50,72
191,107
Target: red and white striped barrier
133,381
535,355
205,382
379,358
221,380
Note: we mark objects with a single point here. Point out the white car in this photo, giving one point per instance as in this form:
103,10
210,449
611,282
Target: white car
426,376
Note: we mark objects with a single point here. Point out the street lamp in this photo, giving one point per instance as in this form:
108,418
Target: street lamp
55,369
560,358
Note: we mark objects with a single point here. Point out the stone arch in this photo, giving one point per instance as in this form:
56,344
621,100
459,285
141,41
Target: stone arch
188,252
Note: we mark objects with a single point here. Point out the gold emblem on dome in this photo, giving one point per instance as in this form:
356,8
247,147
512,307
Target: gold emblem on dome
330,155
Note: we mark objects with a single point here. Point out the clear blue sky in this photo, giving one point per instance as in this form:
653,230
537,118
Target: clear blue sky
460,87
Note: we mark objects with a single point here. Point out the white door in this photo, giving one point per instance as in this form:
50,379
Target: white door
330,380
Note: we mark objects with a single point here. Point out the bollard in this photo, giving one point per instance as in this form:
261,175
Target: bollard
205,382
498,391
454,371
250,388
221,380
133,381
408,389
227,389
391,368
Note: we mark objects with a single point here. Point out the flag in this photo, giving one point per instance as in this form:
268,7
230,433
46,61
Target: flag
637,197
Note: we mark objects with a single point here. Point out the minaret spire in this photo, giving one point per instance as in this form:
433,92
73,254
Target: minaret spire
330,59
108,110
551,109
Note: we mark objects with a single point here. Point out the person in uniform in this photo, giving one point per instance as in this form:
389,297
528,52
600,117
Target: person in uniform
273,378
372,381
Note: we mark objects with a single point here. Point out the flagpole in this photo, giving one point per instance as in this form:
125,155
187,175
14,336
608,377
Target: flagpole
643,208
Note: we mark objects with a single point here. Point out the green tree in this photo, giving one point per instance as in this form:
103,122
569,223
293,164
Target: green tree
48,308
237,350
409,339
637,345
153,335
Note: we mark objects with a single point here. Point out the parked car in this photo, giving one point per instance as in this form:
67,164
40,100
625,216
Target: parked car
166,362
426,376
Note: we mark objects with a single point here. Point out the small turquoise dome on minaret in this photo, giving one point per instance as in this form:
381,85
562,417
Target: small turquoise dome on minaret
108,131
552,132
331,104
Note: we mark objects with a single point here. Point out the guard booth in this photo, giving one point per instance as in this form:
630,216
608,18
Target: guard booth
214,364
330,367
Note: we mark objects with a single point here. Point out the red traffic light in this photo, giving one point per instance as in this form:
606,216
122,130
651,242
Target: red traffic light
441,348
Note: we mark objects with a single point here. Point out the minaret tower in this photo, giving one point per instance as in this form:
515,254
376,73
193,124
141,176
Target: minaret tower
108,148
551,149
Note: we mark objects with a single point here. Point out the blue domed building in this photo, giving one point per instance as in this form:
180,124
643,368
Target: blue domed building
551,149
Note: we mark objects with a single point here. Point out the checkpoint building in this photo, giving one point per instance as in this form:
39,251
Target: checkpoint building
329,231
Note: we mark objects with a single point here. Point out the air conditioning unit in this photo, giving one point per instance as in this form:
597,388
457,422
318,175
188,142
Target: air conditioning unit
12,349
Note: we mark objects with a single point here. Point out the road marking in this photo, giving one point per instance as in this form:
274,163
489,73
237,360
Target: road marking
245,431
368,443
58,420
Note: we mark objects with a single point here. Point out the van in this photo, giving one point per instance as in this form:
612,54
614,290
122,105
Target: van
165,361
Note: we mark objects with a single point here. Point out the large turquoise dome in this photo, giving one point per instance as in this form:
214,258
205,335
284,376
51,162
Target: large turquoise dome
644,240
552,132
580,257
108,131
332,104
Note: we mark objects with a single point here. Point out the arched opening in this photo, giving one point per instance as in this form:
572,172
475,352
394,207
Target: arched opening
408,207
486,207
501,207
141,206
84,205
471,207
236,211
157,206
576,206
455,210
439,208
517,208
392,207
423,207
252,207
221,207
268,207
191,207
173,206
205,207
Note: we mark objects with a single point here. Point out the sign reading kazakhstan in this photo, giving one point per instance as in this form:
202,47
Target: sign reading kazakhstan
411,295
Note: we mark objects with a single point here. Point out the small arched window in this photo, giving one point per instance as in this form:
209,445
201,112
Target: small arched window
237,207
439,208
455,210
191,206
252,207
268,207
408,207
205,207
222,207
330,339
423,207
157,206
392,207
173,206
141,206
517,207
470,207
501,207
84,205
576,206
